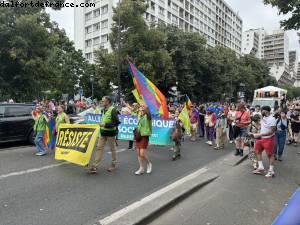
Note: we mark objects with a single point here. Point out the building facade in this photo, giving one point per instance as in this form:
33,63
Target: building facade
297,80
253,42
274,49
214,19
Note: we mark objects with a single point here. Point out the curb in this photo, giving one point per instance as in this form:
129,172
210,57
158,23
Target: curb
232,160
156,203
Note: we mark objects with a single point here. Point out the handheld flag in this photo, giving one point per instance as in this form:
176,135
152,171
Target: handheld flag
152,96
184,117
49,138
138,98
188,103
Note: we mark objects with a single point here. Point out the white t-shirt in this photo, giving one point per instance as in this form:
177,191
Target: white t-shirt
266,124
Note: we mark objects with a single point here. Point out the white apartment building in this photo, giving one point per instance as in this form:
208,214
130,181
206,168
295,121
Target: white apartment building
276,54
214,19
297,81
274,49
253,41
293,63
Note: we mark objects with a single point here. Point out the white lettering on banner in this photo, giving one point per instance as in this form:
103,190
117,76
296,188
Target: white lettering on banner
94,118
130,121
123,129
163,123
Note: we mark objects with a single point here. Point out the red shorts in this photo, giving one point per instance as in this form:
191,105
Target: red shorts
142,143
266,144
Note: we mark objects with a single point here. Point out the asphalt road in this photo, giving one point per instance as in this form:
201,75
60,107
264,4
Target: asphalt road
35,191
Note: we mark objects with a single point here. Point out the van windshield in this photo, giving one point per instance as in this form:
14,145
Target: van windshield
262,103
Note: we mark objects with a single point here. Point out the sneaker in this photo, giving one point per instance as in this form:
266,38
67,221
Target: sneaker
231,142
210,143
259,171
130,148
280,158
207,142
92,170
217,148
270,174
111,168
149,168
140,171
40,154
241,153
254,165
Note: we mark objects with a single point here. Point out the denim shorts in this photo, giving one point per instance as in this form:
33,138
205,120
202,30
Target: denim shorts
243,133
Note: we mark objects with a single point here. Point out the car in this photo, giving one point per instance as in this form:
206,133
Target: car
16,122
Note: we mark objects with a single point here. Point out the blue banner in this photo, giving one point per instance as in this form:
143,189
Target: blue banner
161,129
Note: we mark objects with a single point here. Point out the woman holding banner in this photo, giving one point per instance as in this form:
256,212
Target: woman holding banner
141,136
61,117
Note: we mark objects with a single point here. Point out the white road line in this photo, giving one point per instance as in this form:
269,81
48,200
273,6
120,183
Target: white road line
157,194
121,150
32,170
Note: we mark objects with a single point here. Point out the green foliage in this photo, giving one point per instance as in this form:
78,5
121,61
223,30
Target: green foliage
36,56
166,55
288,7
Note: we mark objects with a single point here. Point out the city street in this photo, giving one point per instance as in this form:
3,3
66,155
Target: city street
39,190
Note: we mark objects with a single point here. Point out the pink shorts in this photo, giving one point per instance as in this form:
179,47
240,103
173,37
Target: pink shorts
266,144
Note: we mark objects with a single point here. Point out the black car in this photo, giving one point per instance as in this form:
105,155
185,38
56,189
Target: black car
16,122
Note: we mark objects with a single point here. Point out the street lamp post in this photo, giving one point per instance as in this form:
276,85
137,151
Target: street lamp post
92,79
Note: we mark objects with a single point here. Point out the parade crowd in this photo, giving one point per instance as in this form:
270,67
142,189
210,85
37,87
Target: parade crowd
249,130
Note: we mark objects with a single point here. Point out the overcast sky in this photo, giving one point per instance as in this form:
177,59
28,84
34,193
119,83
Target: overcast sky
253,12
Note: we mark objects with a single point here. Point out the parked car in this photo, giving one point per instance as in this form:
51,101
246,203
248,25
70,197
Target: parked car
16,123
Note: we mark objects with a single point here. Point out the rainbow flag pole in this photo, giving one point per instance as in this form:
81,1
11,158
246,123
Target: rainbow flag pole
152,96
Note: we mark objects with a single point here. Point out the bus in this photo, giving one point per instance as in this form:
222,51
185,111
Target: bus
269,96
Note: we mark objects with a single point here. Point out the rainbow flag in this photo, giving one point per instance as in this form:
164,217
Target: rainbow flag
189,104
152,96
49,136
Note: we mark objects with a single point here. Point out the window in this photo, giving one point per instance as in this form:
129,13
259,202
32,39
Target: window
161,10
96,12
96,41
15,111
88,56
88,16
88,29
96,26
104,38
104,24
104,9
88,43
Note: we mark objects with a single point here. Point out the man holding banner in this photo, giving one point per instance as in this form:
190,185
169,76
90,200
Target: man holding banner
108,130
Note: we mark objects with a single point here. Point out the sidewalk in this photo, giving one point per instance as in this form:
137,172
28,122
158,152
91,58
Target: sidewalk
238,197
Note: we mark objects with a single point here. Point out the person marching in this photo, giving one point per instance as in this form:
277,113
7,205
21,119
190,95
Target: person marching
221,125
142,134
95,109
108,130
39,130
282,125
61,117
177,136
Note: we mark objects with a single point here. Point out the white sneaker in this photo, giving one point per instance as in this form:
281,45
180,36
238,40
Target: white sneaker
270,174
210,143
230,142
149,168
140,171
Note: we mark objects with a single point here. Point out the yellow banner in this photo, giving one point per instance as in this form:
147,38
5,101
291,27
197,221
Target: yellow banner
75,142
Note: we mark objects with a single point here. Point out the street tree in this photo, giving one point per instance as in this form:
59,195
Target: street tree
287,7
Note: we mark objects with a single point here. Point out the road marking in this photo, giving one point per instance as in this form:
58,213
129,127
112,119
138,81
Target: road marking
121,150
32,170
117,215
